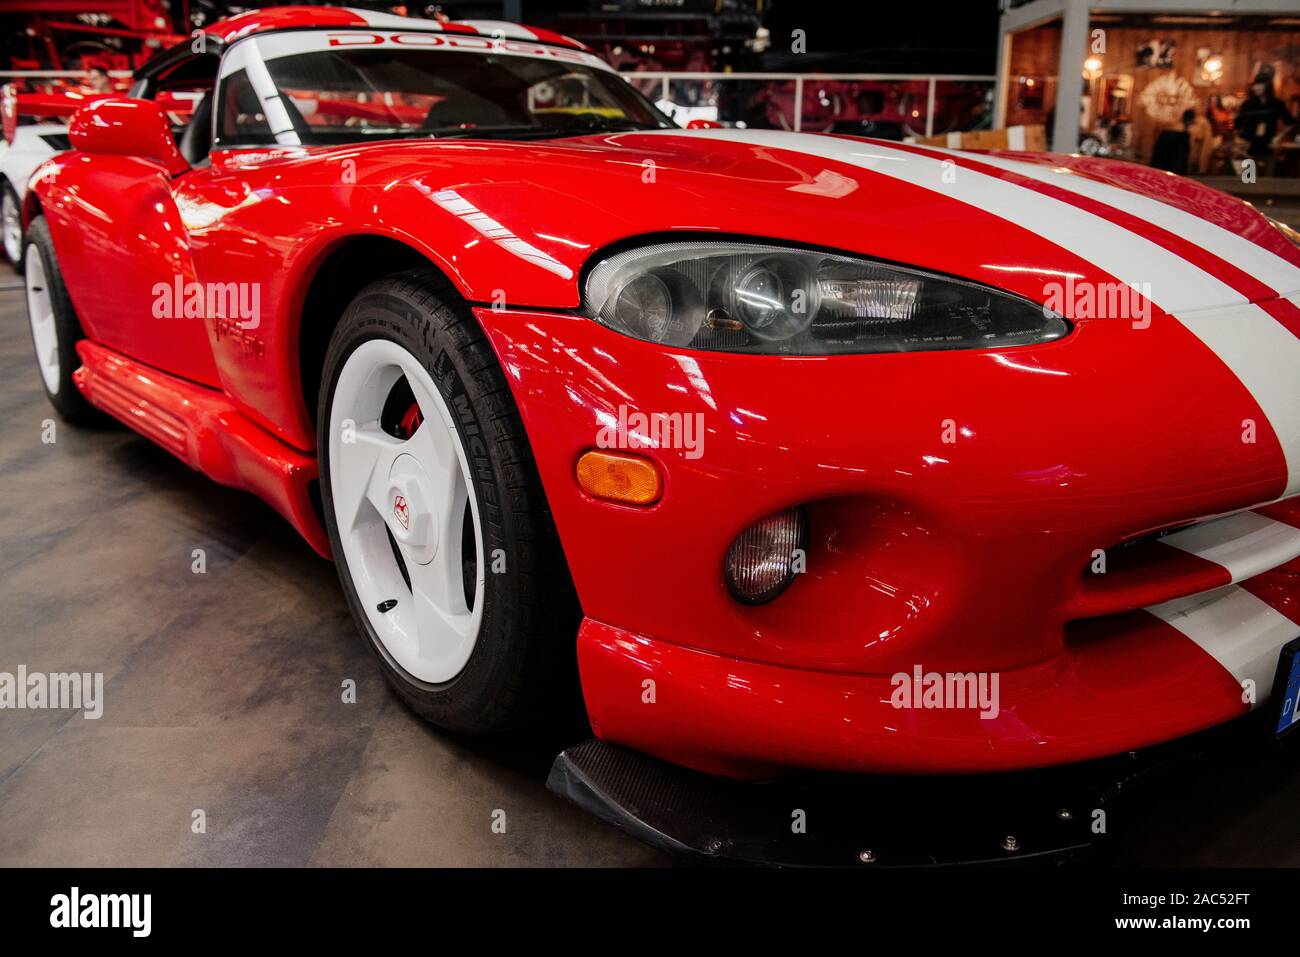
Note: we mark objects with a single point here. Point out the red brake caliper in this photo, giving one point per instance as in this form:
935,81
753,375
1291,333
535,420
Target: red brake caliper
411,420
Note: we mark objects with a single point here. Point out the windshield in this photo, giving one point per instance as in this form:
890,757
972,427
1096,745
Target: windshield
279,90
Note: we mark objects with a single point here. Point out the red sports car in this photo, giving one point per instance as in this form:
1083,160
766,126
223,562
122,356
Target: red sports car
803,451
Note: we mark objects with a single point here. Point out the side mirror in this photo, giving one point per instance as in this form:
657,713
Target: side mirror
120,126
704,125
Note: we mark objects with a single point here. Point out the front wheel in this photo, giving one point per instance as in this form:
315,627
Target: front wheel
437,520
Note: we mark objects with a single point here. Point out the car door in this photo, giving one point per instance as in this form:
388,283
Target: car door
127,261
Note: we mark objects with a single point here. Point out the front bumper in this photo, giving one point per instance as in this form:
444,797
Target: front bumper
1143,684
958,502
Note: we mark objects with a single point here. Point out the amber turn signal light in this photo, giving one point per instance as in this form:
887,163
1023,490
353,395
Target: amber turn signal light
617,477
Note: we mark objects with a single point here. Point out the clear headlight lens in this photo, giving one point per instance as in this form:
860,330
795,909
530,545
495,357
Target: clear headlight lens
742,297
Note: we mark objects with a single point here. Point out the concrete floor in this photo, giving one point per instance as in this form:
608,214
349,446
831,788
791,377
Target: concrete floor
223,693
222,690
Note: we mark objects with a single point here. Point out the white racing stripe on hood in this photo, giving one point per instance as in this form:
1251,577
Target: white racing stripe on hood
1260,351
1175,285
1269,268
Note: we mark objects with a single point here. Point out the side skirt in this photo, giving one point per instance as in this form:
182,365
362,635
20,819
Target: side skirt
203,428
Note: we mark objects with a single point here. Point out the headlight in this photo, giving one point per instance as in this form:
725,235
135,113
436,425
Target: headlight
742,297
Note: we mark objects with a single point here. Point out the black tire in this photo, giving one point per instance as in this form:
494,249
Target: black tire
10,196
523,667
66,397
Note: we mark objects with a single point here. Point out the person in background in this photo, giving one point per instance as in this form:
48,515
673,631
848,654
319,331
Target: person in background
1260,115
1202,143
1173,147
1221,116
98,80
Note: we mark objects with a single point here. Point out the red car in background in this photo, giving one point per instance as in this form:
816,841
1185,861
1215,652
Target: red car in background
787,439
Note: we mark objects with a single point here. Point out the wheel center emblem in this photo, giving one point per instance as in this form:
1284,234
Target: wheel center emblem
410,518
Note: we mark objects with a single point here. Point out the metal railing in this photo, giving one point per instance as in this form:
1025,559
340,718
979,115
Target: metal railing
931,83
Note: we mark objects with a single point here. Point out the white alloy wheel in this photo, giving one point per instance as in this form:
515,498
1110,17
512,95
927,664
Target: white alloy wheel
404,503
40,312
12,224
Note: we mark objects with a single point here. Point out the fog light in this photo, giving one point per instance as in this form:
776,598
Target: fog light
761,561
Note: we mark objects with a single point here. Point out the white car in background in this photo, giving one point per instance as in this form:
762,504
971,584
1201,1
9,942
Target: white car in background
26,146
30,146
682,115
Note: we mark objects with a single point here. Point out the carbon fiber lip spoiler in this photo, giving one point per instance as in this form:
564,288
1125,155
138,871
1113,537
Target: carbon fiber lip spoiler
1048,816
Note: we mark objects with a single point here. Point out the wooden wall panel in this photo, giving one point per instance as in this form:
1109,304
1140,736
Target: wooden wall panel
1242,51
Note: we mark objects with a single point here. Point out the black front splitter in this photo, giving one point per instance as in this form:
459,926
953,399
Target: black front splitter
1044,816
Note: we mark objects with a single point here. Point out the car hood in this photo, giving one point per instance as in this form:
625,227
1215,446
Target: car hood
1028,223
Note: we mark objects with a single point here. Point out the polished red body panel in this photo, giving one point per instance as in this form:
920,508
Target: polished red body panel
751,719
118,235
566,199
283,18
923,540
963,555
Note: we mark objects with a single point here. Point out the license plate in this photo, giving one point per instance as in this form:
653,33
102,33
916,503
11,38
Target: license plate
1286,689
